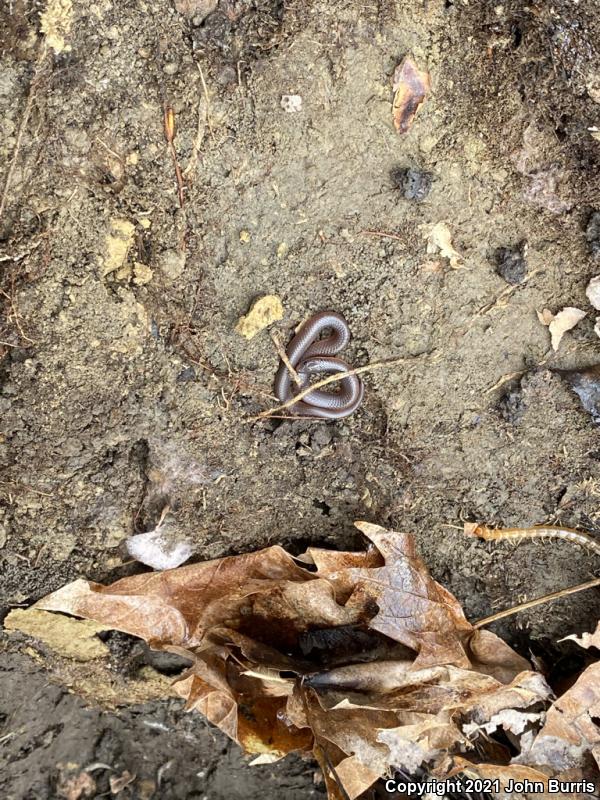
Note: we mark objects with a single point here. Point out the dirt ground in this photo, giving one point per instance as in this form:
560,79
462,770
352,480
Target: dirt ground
124,386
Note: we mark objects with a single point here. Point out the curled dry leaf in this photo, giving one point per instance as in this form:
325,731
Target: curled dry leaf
563,322
439,240
593,292
411,87
360,657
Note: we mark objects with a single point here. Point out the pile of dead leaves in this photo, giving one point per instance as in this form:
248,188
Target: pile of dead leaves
361,658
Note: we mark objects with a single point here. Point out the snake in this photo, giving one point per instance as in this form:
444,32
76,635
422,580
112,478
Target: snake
310,355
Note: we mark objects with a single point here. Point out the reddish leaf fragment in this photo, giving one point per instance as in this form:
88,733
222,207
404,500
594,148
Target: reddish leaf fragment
411,87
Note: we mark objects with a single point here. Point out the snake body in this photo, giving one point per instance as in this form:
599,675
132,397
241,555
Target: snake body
310,355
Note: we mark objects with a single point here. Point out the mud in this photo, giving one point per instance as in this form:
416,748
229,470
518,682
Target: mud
125,388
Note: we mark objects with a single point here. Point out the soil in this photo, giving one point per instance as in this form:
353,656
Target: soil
124,387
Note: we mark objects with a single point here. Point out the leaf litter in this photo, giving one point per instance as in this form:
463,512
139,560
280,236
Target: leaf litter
361,658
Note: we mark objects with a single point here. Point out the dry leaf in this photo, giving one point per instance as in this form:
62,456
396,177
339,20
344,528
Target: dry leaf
570,732
411,87
439,240
563,322
74,785
263,312
360,657
545,316
586,640
593,292
118,783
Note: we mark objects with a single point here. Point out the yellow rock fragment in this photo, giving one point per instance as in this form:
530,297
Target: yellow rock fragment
56,22
142,274
73,638
263,312
245,237
118,243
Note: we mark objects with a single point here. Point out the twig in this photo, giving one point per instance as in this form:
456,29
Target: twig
384,235
203,116
538,601
24,120
338,376
283,356
504,294
207,98
169,120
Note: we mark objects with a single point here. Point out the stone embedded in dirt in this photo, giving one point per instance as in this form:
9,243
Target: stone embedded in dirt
118,243
414,184
586,385
292,103
593,292
198,9
592,235
263,312
511,263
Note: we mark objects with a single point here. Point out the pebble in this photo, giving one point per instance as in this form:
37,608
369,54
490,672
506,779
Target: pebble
414,184
511,263
592,235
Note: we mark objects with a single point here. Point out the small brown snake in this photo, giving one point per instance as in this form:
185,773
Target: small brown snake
310,355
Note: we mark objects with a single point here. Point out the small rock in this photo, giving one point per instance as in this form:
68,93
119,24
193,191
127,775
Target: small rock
198,9
415,184
586,385
142,274
593,292
172,263
292,103
171,68
245,236
592,234
511,263
263,312
187,374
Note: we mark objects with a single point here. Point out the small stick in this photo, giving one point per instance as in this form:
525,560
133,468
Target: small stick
283,356
169,120
338,376
538,601
383,234
24,120
205,90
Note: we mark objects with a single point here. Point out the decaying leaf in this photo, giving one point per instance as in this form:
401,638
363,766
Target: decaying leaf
264,312
439,240
571,731
587,639
411,86
593,292
545,316
119,782
563,322
360,657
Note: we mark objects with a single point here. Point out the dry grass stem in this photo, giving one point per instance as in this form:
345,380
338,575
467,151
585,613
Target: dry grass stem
538,601
283,356
338,376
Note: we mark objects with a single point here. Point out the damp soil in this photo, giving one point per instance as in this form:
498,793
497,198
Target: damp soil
124,389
